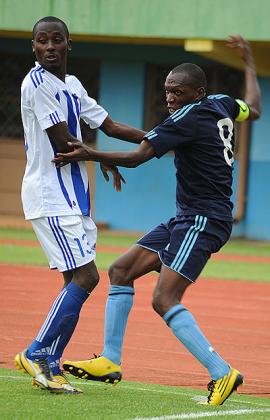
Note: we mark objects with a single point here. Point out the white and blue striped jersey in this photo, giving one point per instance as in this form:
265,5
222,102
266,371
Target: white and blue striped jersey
46,101
201,135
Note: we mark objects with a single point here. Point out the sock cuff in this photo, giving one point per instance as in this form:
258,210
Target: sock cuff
77,292
172,312
121,290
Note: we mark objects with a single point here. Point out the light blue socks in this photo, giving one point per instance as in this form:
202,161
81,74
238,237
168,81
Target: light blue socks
118,306
185,328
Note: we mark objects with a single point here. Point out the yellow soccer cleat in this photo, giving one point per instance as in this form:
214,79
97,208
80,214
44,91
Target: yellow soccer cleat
62,379
68,388
40,372
222,388
97,369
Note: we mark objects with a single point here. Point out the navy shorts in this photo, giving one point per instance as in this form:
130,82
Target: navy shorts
186,244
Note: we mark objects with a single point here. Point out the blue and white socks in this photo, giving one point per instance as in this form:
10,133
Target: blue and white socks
118,306
58,327
185,328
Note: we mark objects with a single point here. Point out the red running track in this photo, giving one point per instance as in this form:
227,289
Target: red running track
234,315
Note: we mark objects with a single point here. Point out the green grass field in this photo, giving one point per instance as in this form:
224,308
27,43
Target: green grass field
128,400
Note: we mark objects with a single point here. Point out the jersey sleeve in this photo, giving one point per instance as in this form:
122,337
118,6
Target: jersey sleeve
173,132
238,109
92,113
46,107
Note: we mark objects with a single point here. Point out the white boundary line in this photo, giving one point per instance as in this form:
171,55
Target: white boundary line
206,414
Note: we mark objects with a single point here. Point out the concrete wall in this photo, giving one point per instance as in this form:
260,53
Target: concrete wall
149,196
256,224
12,165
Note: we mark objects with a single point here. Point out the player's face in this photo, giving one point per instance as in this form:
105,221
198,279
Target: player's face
51,45
179,93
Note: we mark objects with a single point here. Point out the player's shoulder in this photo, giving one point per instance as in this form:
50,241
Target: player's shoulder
220,98
73,82
37,78
222,101
186,111
34,78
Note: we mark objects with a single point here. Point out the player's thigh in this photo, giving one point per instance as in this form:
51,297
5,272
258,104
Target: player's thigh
143,257
169,290
158,238
134,263
66,241
193,240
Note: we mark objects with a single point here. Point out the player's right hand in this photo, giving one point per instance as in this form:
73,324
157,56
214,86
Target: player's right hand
80,152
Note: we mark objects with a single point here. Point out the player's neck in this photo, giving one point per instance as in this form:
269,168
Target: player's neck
59,72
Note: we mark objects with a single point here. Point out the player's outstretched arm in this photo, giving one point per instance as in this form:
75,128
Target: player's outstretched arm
63,142
81,151
122,131
252,95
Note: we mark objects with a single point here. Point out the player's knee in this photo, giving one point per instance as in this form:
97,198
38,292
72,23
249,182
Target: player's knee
161,302
118,275
86,278
94,278
91,281
158,304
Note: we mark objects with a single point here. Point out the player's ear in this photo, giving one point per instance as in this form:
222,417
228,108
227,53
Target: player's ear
33,47
69,44
201,92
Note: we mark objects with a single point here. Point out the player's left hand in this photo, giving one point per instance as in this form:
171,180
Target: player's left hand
80,152
117,177
242,45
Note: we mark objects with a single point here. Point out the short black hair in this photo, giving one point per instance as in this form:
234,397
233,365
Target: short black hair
50,19
195,75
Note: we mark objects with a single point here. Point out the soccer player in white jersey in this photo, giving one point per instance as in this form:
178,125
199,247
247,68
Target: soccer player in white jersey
57,200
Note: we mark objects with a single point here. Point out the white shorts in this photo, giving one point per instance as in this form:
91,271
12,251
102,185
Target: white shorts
68,241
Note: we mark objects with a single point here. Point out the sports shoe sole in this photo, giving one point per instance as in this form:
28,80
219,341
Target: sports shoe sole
111,378
37,384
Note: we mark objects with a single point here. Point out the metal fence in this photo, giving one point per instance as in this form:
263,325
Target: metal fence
14,68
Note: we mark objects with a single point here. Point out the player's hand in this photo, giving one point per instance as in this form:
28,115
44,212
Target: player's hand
242,45
117,177
80,152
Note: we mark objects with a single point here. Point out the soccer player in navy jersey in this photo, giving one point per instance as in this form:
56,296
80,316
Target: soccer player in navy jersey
57,200
200,131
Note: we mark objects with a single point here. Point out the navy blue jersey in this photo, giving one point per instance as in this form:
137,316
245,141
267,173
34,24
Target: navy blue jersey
201,135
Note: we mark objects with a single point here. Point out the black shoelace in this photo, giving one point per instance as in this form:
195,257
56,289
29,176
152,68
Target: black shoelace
211,387
45,368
